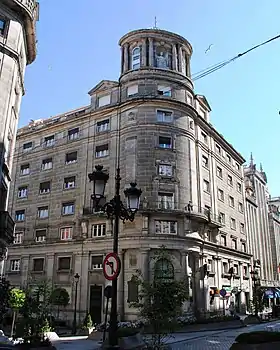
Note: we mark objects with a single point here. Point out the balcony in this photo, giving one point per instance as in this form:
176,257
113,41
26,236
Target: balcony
7,226
29,6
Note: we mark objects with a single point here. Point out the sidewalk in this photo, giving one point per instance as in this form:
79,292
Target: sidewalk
217,326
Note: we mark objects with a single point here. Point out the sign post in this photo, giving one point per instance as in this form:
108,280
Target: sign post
108,295
223,293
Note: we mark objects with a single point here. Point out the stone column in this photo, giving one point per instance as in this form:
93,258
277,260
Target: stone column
180,57
126,58
50,265
144,52
145,264
151,52
145,225
218,276
121,288
174,58
204,284
122,59
188,68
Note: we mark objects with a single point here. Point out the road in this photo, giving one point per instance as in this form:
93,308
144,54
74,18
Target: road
210,340
219,340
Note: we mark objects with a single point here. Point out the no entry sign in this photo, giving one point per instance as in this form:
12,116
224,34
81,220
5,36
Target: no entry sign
111,266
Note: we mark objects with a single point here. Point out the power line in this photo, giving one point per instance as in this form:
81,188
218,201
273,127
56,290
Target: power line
203,73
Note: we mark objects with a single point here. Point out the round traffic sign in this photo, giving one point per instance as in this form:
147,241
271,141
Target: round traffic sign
223,292
111,266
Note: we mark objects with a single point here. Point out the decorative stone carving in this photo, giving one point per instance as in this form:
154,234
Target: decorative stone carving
162,60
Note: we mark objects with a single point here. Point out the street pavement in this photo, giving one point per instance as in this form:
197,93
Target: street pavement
210,340
218,340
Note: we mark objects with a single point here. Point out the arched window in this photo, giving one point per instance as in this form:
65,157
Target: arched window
164,270
136,57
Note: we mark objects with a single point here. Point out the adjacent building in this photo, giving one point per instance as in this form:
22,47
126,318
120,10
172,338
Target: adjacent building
17,49
193,199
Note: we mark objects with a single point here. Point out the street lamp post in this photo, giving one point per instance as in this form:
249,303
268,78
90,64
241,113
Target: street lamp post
256,283
76,280
114,210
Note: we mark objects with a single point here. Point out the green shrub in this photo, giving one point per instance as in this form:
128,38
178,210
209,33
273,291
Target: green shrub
258,337
87,321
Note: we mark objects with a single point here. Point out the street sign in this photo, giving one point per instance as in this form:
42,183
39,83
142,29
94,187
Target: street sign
111,266
223,292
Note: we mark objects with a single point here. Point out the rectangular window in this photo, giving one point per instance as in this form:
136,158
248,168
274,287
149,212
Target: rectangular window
234,244
231,201
230,182
40,235
22,192
96,262
205,162
47,164
38,264
218,149
2,26
206,186
245,271
103,125
165,201
236,269
164,116
104,100
71,158
166,227
20,215
24,169
27,146
68,208
223,241
45,187
233,224
165,142
43,212
98,230
18,237
204,137
221,195
189,99
73,134
69,182
164,91
132,90
165,170
219,172
228,158
15,265
49,141
242,226
66,233
102,151
64,263
237,166
240,207
222,218
243,247
239,187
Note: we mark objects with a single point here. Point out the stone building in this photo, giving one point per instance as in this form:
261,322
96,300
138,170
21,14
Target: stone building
262,225
17,49
193,198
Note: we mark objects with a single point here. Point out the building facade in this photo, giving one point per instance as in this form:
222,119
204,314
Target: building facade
274,225
262,225
17,49
193,199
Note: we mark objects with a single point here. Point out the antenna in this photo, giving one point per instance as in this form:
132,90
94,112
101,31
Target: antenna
155,26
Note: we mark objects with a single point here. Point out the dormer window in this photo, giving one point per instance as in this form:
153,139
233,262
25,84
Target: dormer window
136,56
104,100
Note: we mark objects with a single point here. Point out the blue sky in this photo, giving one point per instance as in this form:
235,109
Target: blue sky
78,47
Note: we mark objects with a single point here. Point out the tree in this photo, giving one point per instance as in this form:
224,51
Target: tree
160,300
4,297
16,302
60,298
87,324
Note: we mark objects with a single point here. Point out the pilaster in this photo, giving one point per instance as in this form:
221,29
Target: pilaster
174,58
126,58
121,281
144,52
151,52
180,58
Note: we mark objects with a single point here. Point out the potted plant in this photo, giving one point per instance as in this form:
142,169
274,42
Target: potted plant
88,324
